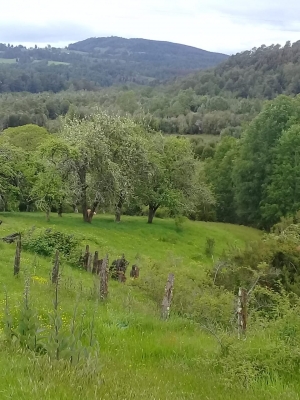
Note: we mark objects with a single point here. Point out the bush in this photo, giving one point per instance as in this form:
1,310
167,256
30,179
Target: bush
275,260
179,222
45,242
210,247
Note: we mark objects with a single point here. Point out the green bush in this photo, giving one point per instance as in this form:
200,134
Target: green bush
274,261
45,242
210,247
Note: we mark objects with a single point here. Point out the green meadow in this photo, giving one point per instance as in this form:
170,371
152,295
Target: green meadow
135,355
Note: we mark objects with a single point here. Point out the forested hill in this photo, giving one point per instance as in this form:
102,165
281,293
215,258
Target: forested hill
219,101
263,72
150,56
98,62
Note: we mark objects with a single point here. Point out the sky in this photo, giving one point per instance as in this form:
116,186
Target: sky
226,26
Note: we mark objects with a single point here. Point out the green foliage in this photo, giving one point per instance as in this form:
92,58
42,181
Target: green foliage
282,193
210,247
254,165
219,172
45,241
273,262
28,332
28,137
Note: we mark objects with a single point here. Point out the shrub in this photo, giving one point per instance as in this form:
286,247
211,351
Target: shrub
45,242
179,222
275,259
210,247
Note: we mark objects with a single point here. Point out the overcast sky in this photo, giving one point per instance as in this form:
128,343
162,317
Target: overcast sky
226,26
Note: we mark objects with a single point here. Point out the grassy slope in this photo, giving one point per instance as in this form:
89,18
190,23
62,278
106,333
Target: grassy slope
141,357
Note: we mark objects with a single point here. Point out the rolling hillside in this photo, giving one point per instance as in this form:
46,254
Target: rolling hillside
98,62
127,351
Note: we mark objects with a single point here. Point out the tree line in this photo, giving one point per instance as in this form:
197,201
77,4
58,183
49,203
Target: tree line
182,113
115,163
255,179
101,162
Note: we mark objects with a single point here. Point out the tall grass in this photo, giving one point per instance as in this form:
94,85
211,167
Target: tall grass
140,356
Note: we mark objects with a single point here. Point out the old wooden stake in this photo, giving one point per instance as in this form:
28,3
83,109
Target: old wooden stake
135,272
103,272
86,257
242,312
89,264
166,303
55,269
17,257
95,263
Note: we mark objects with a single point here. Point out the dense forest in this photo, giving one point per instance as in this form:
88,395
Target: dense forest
98,62
222,100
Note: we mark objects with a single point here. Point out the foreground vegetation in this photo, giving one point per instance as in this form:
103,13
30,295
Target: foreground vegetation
192,355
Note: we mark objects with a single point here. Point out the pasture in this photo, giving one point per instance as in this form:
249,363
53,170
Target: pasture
138,356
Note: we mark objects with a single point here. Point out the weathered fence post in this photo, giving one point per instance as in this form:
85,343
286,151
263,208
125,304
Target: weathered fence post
135,272
166,303
89,263
17,257
242,312
95,263
103,272
55,269
86,257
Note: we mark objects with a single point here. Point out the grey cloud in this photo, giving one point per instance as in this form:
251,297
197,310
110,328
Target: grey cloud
49,33
279,16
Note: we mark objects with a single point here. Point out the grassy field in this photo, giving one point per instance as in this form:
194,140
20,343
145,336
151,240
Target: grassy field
7,60
57,63
140,356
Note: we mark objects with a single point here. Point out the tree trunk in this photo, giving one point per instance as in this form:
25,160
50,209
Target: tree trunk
151,213
60,209
84,186
48,215
117,215
118,210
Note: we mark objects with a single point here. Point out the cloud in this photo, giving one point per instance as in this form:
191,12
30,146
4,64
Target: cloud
213,25
51,32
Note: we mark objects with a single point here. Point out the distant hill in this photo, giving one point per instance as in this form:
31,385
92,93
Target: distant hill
156,58
98,62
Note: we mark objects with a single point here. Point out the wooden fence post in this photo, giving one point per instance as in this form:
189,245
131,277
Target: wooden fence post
55,269
103,272
89,263
17,257
242,312
86,257
166,303
135,272
95,263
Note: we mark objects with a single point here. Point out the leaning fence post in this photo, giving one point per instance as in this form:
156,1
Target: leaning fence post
55,269
103,272
166,303
17,257
242,312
